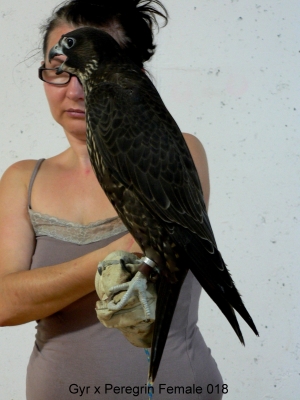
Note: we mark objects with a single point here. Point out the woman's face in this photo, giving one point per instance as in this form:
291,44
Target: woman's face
66,102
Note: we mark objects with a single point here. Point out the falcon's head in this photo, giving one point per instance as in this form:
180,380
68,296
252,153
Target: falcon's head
85,48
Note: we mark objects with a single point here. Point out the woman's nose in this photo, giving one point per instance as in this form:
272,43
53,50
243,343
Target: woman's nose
75,89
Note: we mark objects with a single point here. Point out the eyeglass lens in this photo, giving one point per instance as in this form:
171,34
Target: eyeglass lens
50,76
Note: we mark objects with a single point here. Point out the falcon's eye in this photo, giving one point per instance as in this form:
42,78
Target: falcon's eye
69,42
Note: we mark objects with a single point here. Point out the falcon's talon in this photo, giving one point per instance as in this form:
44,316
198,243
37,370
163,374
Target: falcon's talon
129,260
137,284
103,264
123,261
123,266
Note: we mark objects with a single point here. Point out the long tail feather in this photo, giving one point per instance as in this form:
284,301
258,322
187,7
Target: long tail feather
210,270
166,302
220,287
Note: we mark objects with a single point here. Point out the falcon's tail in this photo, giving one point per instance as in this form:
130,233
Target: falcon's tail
217,282
167,297
207,265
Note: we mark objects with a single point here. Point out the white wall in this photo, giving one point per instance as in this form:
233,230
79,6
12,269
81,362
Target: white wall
228,72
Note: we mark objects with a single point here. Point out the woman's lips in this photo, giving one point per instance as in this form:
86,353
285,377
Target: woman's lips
74,112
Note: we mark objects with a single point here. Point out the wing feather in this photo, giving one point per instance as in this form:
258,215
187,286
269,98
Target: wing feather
148,153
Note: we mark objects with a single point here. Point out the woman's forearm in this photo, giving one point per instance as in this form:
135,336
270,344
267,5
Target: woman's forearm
34,294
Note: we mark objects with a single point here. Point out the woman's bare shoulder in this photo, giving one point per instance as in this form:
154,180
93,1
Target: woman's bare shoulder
22,165
19,171
22,170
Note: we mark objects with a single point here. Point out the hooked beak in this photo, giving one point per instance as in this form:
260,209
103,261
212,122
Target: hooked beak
56,50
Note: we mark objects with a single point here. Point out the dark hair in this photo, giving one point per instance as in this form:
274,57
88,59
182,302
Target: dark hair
130,22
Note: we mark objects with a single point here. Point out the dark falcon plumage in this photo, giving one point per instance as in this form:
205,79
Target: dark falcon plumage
145,168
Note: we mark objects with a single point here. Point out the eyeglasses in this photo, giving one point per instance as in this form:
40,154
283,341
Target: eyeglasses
49,75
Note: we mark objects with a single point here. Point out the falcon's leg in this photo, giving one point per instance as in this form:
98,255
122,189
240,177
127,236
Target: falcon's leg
149,269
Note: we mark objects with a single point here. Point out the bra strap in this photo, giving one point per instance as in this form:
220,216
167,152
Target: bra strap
34,173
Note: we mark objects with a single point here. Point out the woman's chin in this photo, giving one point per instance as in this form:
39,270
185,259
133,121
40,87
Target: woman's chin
76,130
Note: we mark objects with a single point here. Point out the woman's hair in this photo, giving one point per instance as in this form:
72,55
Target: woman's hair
129,22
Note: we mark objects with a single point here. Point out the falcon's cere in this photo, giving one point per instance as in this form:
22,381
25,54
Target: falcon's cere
145,168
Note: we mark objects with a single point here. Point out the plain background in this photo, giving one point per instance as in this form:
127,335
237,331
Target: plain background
229,73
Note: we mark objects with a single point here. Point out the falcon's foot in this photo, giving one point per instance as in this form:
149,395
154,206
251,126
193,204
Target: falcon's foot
137,286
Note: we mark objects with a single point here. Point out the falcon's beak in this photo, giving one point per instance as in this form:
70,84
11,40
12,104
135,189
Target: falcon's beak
56,50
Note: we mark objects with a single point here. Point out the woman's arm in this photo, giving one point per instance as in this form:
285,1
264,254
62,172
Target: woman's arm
199,156
27,295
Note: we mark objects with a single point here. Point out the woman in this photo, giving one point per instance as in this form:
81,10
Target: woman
56,224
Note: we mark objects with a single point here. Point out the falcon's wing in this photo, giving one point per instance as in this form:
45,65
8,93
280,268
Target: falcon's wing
140,141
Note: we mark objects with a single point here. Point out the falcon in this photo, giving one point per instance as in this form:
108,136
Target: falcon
145,168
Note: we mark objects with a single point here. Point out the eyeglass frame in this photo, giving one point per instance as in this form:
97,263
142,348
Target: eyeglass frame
40,75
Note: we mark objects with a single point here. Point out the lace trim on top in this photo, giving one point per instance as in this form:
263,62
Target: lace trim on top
46,225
